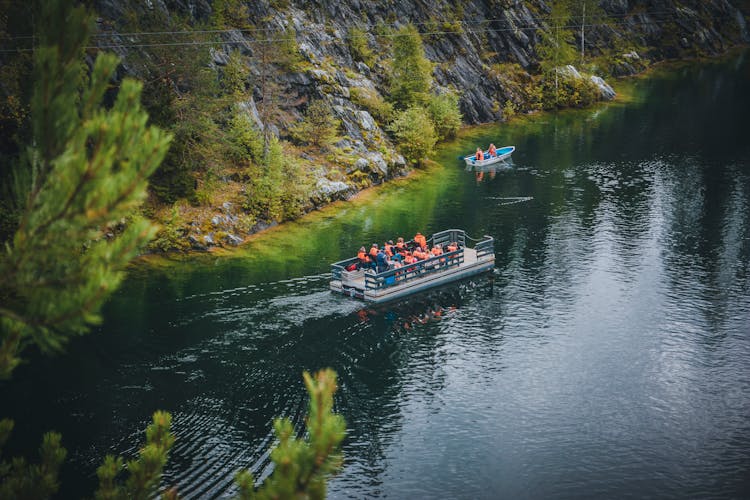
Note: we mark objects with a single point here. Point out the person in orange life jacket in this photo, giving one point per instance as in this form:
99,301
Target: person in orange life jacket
400,244
395,252
453,246
402,253
410,258
438,250
388,247
492,151
374,251
479,155
420,240
364,259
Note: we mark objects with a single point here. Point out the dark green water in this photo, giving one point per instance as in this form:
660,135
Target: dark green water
609,355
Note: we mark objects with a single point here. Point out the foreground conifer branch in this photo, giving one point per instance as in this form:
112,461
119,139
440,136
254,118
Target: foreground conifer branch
19,479
87,172
145,471
302,466
89,167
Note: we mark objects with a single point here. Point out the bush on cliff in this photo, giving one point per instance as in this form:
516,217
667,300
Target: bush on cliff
568,92
415,134
359,47
245,141
378,107
318,127
411,72
445,114
278,187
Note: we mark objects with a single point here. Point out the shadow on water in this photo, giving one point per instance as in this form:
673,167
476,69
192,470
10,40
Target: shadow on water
608,354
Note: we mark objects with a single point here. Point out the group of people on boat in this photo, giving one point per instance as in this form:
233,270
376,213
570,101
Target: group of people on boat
394,256
491,153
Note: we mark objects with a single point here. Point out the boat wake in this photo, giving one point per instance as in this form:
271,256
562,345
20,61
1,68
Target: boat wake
510,200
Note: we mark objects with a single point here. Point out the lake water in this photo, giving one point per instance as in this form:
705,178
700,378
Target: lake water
607,356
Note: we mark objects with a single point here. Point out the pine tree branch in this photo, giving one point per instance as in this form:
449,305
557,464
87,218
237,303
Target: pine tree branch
8,313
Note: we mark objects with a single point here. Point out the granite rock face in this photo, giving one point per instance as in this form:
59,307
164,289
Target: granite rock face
484,51
465,43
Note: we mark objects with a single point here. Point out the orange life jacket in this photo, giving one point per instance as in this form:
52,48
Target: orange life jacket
436,251
389,250
373,252
420,240
479,155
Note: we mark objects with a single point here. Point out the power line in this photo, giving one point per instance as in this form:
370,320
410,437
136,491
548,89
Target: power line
384,35
365,26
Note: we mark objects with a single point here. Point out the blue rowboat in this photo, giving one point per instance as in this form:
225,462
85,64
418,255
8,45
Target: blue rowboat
501,154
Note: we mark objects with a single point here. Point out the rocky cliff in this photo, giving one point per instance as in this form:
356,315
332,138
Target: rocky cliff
486,50
465,39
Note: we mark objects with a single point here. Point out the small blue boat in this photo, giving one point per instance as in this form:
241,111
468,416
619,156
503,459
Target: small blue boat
500,155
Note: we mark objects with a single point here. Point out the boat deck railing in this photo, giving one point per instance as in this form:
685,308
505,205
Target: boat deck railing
373,281
444,238
484,246
340,267
409,272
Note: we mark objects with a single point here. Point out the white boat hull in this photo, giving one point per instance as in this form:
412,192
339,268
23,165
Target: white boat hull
502,154
354,286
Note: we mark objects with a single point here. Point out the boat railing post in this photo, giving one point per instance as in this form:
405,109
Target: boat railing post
336,272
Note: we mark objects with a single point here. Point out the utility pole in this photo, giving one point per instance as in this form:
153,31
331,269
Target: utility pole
583,22
557,63
263,116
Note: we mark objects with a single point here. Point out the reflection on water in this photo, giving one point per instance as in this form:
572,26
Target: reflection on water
606,356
